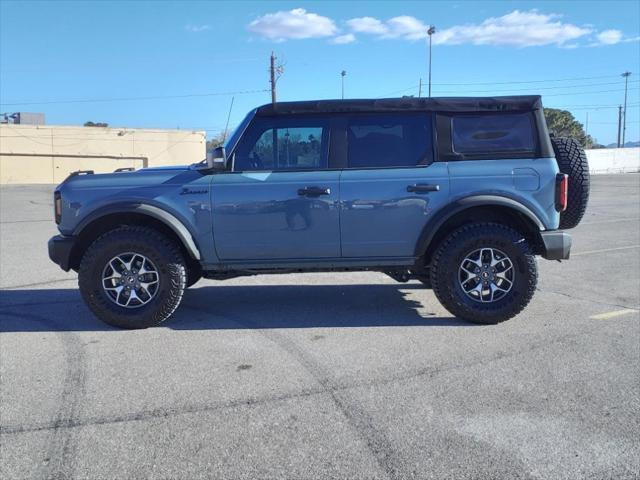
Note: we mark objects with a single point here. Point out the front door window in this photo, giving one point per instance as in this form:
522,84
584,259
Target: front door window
277,146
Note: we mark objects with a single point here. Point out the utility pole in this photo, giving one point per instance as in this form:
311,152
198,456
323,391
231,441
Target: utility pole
430,32
420,88
272,72
343,74
624,118
586,128
619,123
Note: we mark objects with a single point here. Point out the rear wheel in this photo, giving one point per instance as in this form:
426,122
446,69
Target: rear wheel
484,273
132,277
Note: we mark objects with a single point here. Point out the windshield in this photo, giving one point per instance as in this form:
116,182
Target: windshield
235,136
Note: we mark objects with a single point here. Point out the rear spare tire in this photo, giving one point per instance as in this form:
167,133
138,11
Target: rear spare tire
573,161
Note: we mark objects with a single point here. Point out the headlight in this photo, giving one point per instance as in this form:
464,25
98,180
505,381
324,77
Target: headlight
57,206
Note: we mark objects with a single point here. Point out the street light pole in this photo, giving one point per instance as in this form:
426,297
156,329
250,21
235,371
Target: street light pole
624,118
430,32
343,74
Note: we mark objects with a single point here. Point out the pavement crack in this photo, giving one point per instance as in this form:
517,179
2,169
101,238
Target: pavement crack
589,300
151,414
37,284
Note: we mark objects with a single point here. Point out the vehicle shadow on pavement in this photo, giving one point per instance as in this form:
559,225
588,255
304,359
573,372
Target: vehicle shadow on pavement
241,307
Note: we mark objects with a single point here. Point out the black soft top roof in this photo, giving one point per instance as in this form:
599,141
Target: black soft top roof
440,104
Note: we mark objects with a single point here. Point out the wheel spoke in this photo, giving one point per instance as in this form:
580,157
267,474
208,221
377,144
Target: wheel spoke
477,262
132,296
145,287
470,289
113,267
471,274
508,268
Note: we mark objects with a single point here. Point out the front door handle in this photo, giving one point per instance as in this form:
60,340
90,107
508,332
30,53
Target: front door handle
423,188
314,191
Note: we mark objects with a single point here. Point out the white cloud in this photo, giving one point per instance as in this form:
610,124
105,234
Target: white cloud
519,29
404,26
343,39
197,28
367,25
294,24
609,37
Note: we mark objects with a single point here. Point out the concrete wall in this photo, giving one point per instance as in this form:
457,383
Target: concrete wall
48,153
614,160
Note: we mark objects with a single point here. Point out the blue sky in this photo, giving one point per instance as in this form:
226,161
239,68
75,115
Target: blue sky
570,52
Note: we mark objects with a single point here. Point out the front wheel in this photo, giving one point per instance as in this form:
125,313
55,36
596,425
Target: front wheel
484,273
132,277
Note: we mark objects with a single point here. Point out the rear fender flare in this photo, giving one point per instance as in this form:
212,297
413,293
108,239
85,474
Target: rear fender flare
441,216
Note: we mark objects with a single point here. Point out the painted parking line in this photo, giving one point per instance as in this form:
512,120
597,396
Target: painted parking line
616,313
589,252
616,220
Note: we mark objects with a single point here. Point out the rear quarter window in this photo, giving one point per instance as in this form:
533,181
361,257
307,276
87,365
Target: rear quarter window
489,134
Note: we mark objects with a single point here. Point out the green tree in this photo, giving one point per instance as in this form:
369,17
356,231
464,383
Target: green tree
217,140
95,124
563,124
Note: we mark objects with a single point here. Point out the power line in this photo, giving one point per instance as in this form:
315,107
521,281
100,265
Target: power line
582,93
532,81
127,99
532,89
544,88
593,107
612,123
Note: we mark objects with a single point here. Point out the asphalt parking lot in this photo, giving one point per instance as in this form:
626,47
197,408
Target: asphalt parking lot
322,375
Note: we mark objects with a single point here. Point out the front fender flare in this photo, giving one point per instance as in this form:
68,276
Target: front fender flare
170,220
458,206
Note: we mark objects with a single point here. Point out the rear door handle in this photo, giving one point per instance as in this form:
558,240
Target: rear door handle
314,191
423,188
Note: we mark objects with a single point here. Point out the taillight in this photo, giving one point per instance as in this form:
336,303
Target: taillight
57,206
562,191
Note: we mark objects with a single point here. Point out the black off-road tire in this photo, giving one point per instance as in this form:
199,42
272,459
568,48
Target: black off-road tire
461,242
160,250
572,160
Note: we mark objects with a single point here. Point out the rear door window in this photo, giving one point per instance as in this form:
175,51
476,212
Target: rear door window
389,140
487,134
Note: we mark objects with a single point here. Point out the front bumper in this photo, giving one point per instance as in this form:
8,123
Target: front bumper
557,245
60,248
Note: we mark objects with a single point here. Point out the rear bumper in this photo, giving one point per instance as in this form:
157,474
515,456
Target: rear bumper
557,245
60,250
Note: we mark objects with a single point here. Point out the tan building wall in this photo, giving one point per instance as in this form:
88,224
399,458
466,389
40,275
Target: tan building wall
48,153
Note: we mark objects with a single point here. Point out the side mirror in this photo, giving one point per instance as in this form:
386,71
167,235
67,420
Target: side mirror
217,159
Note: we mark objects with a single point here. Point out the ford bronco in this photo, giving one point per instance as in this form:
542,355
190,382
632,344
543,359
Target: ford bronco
460,194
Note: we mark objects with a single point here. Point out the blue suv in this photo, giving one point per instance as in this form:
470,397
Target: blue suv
460,194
